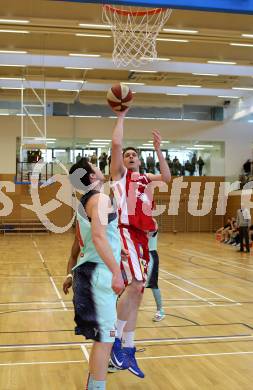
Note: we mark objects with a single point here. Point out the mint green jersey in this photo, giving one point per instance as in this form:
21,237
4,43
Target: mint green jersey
152,241
88,251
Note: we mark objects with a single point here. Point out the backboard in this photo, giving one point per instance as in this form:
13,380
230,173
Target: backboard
234,6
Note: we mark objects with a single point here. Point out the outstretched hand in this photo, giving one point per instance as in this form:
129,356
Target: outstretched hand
121,114
157,139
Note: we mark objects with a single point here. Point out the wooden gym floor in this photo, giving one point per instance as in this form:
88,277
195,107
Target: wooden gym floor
205,341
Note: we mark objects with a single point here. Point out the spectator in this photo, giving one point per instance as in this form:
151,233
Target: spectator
188,167
193,163
200,163
224,229
102,162
247,167
150,164
243,220
143,165
78,157
94,159
169,162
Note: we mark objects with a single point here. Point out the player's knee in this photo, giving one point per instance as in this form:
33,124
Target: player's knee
136,288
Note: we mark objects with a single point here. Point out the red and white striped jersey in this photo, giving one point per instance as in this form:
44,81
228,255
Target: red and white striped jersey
133,194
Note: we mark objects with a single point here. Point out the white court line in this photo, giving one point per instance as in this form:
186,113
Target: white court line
85,352
223,261
70,309
35,244
197,285
53,283
37,363
177,340
203,255
196,355
31,303
188,292
138,358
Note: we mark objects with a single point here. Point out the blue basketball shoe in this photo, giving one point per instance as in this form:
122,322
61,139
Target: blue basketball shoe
131,362
118,358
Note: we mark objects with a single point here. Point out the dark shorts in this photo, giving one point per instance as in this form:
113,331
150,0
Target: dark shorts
153,267
94,302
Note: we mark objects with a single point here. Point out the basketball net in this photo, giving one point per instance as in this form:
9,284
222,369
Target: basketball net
134,30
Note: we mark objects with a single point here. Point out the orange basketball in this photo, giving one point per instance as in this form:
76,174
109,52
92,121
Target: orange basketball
119,97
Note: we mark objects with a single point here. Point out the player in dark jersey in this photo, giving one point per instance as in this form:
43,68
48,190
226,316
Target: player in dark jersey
133,193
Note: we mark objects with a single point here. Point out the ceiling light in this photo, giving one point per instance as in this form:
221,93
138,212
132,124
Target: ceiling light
83,55
15,31
177,94
102,140
12,88
143,71
155,59
93,35
132,83
204,146
172,40
4,113
13,51
243,88
14,65
188,86
205,74
247,35
241,44
229,97
222,62
194,148
85,116
179,31
97,145
13,21
12,78
250,121
87,25
50,142
68,90
75,67
73,81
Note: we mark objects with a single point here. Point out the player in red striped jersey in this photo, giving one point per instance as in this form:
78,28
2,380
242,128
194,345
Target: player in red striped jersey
133,193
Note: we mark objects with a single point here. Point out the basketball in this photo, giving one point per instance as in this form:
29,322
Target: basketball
119,97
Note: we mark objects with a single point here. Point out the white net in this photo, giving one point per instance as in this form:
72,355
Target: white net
134,30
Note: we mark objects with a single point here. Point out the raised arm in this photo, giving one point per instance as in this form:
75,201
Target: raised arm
164,168
100,241
117,168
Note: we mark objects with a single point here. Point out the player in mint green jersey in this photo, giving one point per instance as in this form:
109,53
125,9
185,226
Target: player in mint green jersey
94,262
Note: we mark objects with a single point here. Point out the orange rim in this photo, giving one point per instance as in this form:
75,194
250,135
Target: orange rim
133,13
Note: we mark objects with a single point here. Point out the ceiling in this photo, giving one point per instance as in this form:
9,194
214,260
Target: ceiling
51,37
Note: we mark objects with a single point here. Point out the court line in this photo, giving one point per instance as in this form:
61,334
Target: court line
85,352
228,261
196,355
203,255
196,285
188,292
138,358
70,309
51,280
248,337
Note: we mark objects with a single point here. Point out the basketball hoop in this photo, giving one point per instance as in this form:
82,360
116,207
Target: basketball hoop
134,30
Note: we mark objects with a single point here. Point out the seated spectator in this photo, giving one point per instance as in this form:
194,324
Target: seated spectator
223,230
233,234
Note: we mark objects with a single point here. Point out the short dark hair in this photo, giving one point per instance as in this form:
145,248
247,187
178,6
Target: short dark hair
130,148
83,163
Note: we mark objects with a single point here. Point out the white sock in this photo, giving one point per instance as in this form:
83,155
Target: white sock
119,327
128,339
